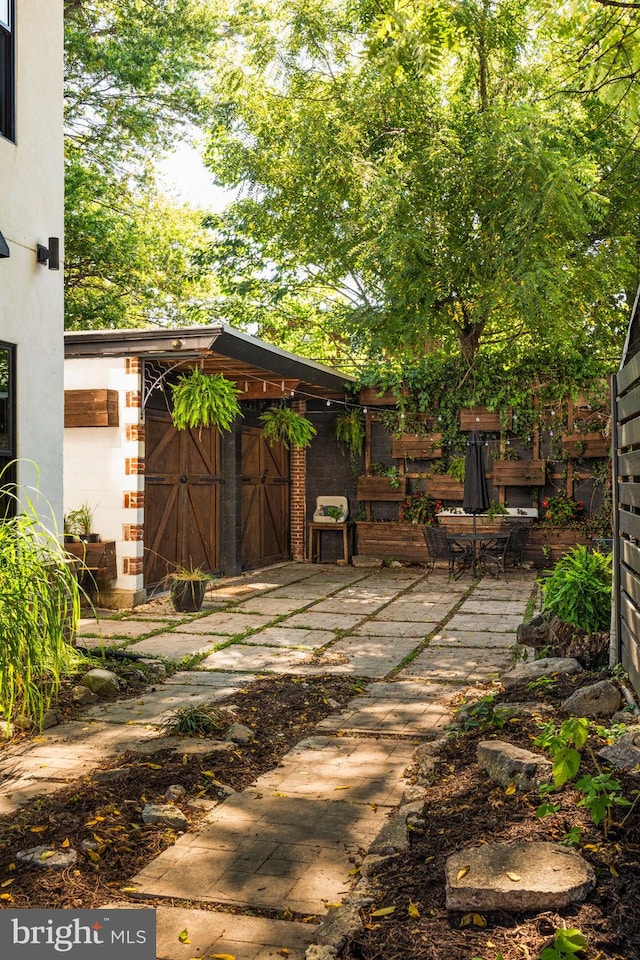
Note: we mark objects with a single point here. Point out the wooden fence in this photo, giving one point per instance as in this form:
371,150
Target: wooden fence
626,504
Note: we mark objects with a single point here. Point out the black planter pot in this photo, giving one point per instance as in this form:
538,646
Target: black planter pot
187,595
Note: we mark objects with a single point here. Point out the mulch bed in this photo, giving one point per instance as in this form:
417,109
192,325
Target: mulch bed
464,809
108,813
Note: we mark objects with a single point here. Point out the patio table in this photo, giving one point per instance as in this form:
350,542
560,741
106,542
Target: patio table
475,539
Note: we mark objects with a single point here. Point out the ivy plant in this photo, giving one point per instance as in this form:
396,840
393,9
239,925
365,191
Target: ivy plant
284,425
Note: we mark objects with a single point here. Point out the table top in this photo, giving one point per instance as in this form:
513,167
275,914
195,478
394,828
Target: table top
471,537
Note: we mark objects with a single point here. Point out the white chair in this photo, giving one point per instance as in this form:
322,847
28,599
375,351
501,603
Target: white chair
320,514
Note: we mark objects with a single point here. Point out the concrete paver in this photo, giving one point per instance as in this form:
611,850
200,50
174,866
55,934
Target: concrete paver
227,623
461,638
366,656
268,852
252,657
492,622
243,937
175,646
118,628
406,709
396,628
150,707
465,665
285,636
313,619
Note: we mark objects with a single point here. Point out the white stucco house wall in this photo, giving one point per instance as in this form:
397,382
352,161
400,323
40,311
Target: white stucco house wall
31,212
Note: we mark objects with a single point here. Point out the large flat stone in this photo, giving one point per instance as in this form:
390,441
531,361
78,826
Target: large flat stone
546,667
506,763
596,700
544,876
464,665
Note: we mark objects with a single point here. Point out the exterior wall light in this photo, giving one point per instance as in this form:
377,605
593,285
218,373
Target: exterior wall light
50,253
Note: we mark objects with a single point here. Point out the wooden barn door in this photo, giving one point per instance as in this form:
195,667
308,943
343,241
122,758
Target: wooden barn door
265,500
182,497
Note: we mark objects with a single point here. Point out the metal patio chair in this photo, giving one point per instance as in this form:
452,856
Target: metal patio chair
440,547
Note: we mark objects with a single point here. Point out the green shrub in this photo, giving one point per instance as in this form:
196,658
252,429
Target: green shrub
39,611
579,590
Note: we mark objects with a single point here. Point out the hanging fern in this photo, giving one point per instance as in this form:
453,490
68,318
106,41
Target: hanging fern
348,428
203,400
284,425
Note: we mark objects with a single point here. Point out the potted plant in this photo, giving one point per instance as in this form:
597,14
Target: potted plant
78,525
204,400
187,586
284,425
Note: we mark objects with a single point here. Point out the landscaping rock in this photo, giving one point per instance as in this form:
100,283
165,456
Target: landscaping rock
546,667
535,633
239,733
597,700
156,666
506,763
367,562
625,753
315,952
104,683
336,927
165,814
529,709
82,695
44,856
517,876
51,718
174,792
107,776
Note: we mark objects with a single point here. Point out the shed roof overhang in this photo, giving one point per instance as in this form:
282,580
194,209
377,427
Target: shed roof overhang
216,349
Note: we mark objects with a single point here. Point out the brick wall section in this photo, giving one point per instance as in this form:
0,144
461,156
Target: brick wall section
132,566
132,365
133,500
132,531
133,398
133,465
134,431
298,466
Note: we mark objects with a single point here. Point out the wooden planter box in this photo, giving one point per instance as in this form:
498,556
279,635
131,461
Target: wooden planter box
419,447
444,487
519,473
404,541
546,543
91,408
373,397
380,488
586,444
465,524
98,558
479,418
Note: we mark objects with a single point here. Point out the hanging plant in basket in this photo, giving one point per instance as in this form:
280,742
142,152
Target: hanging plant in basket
204,400
284,425
349,429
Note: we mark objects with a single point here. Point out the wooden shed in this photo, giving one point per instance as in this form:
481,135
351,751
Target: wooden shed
227,502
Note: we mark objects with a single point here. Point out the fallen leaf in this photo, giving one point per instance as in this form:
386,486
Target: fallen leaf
152,766
221,956
591,847
284,952
7,883
348,787
128,889
11,866
46,854
383,912
276,794
510,790
7,897
93,855
614,872
514,876
479,921
66,842
463,872
310,919
412,910
37,829
183,936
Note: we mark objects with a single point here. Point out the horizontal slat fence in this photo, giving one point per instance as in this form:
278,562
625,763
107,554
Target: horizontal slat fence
626,476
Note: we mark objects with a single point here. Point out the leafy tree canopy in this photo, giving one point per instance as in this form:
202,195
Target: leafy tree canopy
135,78
416,176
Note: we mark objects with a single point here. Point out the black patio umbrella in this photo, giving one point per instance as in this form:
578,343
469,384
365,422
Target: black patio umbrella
476,494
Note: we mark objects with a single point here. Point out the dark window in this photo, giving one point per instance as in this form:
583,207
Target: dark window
7,70
7,427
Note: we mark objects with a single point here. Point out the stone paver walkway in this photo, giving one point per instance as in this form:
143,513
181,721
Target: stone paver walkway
288,844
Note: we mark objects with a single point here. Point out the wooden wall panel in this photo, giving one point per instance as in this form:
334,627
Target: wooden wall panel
91,408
